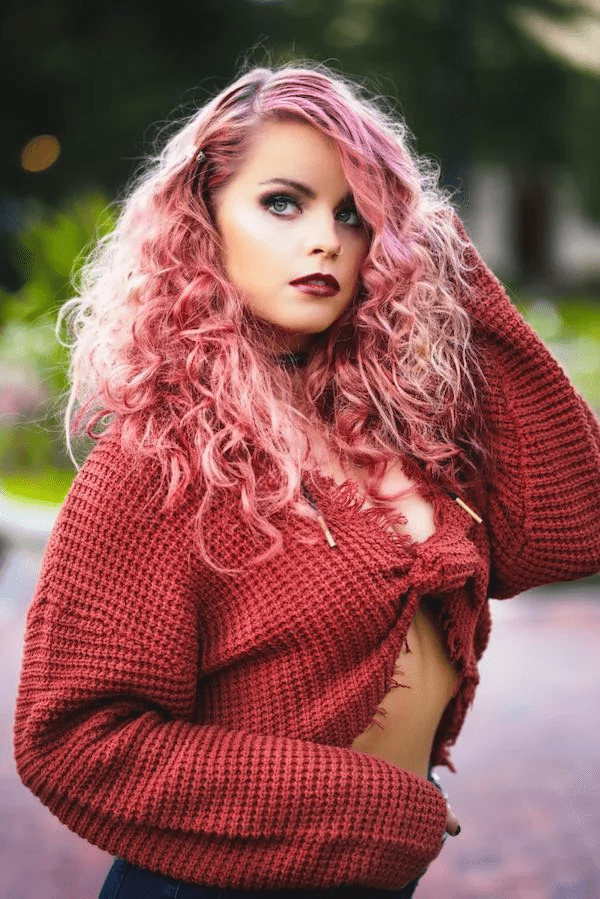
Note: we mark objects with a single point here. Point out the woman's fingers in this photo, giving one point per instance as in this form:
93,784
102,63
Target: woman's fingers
452,825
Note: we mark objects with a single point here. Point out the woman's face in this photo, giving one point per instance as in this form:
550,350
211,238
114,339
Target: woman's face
287,214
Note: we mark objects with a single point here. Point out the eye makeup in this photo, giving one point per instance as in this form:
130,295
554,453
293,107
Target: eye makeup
346,207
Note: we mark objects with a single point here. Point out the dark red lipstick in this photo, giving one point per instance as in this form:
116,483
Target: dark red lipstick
318,284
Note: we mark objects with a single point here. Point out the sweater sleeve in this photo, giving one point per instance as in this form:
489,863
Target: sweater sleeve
543,503
106,734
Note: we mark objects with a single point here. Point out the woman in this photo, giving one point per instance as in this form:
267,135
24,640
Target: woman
324,438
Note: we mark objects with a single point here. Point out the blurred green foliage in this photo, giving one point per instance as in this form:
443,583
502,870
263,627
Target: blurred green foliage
44,484
34,363
52,241
570,327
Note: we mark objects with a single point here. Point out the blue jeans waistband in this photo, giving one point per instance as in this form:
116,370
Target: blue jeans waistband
126,881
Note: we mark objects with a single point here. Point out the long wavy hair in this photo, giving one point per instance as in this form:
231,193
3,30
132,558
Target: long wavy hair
166,351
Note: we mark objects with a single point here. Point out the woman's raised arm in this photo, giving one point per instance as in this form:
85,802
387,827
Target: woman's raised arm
543,502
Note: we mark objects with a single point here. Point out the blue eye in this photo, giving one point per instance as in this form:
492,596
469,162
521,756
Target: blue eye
284,206
353,217
278,203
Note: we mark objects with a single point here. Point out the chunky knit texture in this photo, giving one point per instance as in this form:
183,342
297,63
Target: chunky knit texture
199,725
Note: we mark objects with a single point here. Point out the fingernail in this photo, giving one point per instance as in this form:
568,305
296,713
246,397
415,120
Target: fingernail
457,831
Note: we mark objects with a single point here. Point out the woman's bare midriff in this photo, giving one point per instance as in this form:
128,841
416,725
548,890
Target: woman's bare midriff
403,729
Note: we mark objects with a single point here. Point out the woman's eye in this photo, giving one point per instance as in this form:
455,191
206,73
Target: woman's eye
349,216
285,206
279,203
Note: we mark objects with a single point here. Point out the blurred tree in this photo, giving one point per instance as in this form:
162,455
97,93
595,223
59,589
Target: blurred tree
95,76
473,82
476,82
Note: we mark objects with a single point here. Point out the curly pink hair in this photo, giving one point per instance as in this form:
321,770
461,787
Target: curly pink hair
166,351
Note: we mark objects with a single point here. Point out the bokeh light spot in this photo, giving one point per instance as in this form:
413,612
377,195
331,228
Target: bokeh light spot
40,153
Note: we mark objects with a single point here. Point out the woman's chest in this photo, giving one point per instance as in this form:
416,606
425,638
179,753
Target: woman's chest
412,514
314,633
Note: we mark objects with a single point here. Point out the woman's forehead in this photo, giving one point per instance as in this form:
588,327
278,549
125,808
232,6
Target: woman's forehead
292,150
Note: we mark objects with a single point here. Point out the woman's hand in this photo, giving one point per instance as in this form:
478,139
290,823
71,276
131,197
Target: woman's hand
452,825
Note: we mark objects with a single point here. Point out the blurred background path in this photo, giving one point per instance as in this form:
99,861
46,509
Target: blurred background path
527,791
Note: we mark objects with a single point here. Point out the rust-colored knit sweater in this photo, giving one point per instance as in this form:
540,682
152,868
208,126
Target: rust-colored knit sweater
198,725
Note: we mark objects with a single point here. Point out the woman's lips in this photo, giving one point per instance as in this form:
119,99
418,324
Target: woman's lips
317,285
318,290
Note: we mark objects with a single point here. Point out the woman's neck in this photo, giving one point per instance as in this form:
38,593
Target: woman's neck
293,359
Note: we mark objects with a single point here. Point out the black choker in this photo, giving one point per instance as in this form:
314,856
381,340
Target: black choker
293,360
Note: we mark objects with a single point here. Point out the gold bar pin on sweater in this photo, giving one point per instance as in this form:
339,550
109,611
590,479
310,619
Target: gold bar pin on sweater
460,502
311,501
326,531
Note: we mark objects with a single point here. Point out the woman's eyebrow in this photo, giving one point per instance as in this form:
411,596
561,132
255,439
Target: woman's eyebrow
303,188
297,185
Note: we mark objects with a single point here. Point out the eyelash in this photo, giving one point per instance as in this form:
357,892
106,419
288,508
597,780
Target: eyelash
270,199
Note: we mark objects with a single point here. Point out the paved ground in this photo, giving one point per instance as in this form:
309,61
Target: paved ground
527,791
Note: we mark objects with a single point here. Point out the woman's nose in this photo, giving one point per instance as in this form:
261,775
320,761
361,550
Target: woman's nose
323,236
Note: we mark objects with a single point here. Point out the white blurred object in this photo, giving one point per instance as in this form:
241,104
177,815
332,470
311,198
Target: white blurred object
26,522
